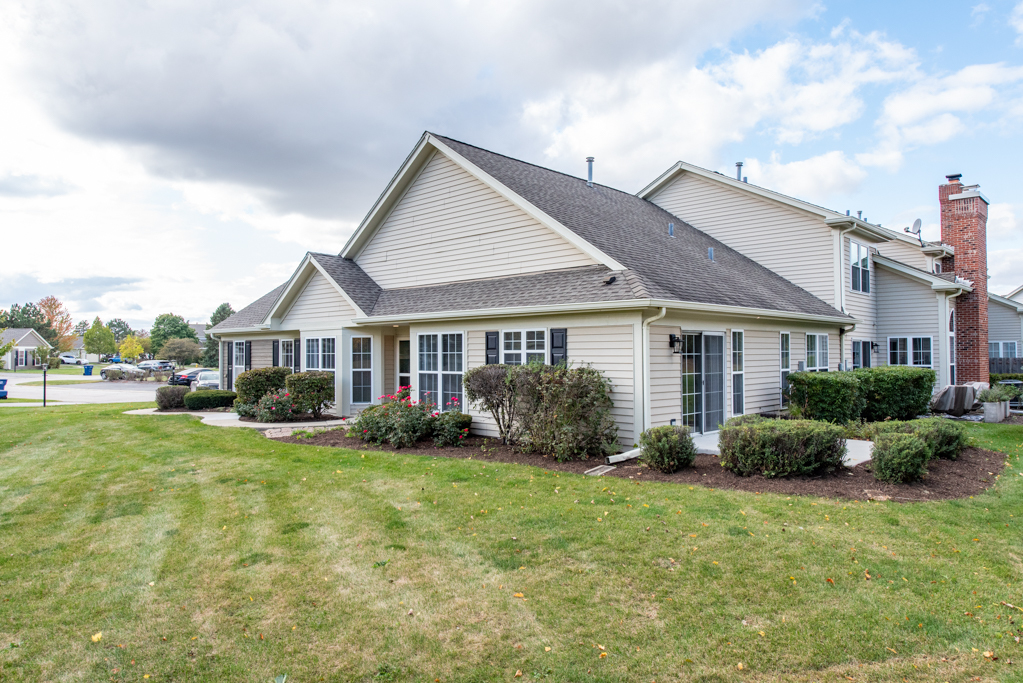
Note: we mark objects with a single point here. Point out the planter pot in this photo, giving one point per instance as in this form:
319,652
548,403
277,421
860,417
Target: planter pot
993,412
1005,410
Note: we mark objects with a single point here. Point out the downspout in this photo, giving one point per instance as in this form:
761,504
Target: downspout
842,331
841,292
646,368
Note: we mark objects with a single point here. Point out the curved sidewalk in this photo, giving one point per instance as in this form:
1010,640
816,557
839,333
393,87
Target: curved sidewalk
234,420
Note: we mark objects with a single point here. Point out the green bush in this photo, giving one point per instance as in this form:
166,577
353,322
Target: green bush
496,389
945,438
278,407
827,396
997,393
209,398
451,428
244,409
52,363
566,412
778,448
996,378
314,390
402,423
112,374
168,398
668,448
899,458
253,385
895,392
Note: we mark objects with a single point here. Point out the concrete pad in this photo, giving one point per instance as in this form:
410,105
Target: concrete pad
707,444
234,420
857,452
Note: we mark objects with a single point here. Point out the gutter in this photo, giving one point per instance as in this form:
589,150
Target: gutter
645,355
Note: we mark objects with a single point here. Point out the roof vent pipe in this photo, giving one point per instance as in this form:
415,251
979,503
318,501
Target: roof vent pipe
738,170
859,214
847,212
589,171
710,253
745,179
671,229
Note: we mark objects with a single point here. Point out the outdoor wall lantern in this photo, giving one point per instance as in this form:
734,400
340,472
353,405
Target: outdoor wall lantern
875,347
675,343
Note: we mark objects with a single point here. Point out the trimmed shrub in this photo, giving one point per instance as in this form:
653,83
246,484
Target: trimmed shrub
401,423
244,409
668,448
779,448
52,363
996,394
946,438
895,392
280,407
314,390
253,385
900,458
112,373
171,397
205,399
451,428
827,396
496,389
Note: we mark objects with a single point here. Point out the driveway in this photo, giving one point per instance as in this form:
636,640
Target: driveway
85,391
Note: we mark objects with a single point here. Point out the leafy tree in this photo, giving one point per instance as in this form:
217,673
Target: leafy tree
169,326
29,316
223,312
147,344
120,329
130,348
211,350
98,339
5,348
184,351
81,327
59,320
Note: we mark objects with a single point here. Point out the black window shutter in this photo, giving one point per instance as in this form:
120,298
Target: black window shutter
229,380
276,353
298,355
493,353
559,346
248,355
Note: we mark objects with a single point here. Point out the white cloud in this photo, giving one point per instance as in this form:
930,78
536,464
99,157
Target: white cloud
812,179
1016,21
1002,223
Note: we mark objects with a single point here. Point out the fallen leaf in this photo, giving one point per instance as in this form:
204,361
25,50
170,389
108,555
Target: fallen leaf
98,637
518,595
740,666
546,649
831,581
602,655
518,673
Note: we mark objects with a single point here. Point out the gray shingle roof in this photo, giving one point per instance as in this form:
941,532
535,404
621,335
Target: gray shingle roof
14,333
350,277
250,316
634,232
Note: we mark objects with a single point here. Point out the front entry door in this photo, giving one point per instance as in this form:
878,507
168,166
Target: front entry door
703,381
238,367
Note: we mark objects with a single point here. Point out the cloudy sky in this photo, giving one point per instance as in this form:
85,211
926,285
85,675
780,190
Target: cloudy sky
172,155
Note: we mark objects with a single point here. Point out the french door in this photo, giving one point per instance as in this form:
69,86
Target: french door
703,381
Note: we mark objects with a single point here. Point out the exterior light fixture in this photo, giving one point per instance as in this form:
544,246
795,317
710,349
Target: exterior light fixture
675,343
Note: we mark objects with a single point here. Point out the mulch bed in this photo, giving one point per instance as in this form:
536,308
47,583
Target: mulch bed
970,475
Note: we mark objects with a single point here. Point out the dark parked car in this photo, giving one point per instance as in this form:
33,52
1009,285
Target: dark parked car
186,377
157,365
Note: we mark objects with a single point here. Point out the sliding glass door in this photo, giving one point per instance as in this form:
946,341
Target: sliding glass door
703,381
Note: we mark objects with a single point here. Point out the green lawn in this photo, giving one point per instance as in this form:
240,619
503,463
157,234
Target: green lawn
62,370
211,554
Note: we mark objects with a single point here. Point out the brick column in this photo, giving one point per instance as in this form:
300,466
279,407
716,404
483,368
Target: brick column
964,226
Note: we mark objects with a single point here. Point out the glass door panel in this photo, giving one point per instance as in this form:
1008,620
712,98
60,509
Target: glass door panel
692,382
714,381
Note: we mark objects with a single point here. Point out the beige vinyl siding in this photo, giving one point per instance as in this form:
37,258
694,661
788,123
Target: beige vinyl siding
262,353
319,302
475,356
905,252
763,371
665,378
796,245
905,308
1003,324
610,349
861,306
449,227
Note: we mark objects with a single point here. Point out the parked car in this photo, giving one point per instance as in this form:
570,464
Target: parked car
206,380
157,365
185,377
69,359
126,369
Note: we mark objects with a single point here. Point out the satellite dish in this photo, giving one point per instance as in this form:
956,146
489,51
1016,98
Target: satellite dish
916,226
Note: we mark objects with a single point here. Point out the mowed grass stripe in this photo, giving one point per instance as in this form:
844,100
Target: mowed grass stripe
664,580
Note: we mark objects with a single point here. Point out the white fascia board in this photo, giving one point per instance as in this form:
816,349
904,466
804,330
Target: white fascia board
933,249
1018,306
936,283
627,304
541,217
287,289
855,226
1014,292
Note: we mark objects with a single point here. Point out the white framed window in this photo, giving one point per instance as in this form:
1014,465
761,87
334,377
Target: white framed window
320,353
861,354
239,356
441,363
520,347
914,351
785,351
362,369
859,258
952,347
287,353
817,352
1005,349
738,375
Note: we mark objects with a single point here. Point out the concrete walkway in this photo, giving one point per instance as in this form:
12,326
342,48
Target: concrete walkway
234,420
89,391
856,451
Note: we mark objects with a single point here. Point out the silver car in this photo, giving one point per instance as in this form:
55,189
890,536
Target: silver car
127,370
206,380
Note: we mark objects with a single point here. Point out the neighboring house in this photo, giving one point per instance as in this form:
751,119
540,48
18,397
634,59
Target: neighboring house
78,350
1016,294
696,298
1005,327
26,341
200,331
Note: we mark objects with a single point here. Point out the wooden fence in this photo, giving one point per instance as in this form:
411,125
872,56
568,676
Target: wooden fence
1006,366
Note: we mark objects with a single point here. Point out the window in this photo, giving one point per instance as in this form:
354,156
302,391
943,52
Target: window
861,354
859,257
817,352
914,351
404,363
287,353
239,357
1005,349
528,346
362,369
1009,349
738,397
786,366
992,349
320,354
952,347
440,369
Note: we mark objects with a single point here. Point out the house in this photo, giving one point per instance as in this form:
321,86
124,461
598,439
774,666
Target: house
78,350
26,341
1005,327
200,332
696,297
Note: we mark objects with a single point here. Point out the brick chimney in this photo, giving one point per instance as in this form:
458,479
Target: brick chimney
964,226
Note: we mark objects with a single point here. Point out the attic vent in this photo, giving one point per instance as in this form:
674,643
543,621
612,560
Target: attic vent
710,253
671,229
610,280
